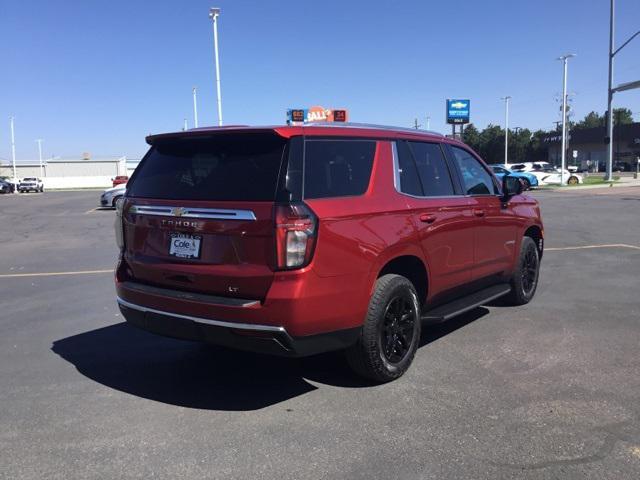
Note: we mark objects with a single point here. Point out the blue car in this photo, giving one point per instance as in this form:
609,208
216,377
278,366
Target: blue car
528,180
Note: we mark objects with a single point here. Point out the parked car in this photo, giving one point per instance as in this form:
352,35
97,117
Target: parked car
528,180
111,195
30,184
7,186
119,180
297,240
552,176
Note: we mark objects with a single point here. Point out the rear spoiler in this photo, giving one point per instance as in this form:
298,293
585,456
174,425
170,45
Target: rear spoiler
214,131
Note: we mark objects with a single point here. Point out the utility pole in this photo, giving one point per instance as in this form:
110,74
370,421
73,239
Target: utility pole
415,124
39,140
506,130
214,13
13,157
195,108
428,122
563,154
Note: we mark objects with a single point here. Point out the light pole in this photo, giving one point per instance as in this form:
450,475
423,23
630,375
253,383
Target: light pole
13,157
428,122
39,140
506,129
214,13
563,154
195,108
611,90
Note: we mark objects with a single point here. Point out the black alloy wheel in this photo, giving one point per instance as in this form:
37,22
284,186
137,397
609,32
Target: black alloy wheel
529,270
397,329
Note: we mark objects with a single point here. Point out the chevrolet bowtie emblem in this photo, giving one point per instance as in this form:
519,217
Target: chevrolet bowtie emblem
178,212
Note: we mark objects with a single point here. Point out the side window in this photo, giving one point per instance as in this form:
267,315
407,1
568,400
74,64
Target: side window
337,168
409,182
432,169
475,178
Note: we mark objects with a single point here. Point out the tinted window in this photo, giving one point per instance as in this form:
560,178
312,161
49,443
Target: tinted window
432,169
407,172
498,169
337,168
476,180
231,167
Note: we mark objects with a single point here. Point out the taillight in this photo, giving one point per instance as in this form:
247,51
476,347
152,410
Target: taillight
118,225
296,232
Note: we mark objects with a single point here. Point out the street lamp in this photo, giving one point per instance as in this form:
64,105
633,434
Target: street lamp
13,157
506,129
214,13
39,140
195,108
564,59
611,90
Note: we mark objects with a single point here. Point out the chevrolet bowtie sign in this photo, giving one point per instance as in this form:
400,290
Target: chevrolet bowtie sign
458,111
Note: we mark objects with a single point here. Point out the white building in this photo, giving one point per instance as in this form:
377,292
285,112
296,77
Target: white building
96,173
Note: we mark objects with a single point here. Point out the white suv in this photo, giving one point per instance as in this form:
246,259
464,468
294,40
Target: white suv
30,184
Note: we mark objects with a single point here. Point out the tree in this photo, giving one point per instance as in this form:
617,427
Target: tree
471,137
622,116
591,120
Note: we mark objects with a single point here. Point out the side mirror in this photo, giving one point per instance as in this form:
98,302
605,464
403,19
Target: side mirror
511,186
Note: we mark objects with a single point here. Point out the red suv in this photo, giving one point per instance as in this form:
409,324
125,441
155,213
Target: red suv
297,240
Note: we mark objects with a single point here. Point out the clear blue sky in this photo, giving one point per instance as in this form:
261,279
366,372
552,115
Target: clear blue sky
99,76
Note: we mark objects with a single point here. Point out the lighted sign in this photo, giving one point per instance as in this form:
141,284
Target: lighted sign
316,114
458,111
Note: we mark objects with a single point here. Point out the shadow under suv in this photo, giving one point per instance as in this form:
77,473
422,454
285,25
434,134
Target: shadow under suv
297,240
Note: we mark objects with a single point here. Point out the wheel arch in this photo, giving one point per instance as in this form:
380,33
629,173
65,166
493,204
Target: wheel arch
411,267
536,234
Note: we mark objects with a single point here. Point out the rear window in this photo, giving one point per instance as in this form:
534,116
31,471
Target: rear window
337,168
226,168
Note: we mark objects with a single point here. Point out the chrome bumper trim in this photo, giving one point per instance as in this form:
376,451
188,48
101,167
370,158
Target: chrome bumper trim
206,321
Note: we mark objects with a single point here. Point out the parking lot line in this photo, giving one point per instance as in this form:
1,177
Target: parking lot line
585,247
51,274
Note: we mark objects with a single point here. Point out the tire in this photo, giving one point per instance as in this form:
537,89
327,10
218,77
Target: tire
391,332
573,181
524,281
115,200
526,184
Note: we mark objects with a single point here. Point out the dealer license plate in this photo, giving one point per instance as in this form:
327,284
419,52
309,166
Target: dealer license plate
184,246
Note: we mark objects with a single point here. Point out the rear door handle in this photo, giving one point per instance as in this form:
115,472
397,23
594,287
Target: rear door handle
428,218
478,212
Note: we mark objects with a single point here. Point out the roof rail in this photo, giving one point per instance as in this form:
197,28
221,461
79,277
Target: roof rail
370,125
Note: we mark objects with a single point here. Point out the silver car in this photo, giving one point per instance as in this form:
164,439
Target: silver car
111,195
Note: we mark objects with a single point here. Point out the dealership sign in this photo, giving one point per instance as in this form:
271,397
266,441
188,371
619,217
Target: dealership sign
458,111
316,114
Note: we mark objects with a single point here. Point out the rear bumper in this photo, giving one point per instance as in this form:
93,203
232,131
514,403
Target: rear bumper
268,339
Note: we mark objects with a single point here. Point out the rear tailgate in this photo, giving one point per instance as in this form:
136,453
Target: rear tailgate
199,214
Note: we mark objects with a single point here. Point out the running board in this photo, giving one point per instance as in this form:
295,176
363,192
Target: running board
464,304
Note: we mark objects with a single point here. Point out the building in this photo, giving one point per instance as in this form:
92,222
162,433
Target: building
587,149
70,173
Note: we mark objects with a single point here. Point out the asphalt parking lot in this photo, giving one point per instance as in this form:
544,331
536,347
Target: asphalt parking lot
549,390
